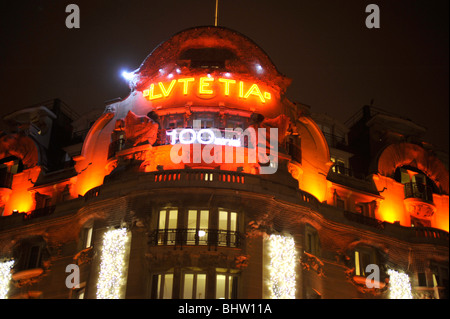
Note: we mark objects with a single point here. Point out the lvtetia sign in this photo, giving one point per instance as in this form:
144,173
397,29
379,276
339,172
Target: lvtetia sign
206,87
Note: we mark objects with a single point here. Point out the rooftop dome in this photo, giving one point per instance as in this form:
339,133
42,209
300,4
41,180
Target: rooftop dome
209,49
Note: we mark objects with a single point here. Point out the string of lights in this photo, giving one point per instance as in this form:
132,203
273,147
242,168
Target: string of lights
5,278
400,287
112,264
283,258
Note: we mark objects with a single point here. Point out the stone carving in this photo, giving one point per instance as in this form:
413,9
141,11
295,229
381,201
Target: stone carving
140,130
20,146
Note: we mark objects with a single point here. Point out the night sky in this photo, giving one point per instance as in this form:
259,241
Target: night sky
337,64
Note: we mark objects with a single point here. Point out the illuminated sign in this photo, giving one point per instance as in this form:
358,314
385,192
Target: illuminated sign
206,87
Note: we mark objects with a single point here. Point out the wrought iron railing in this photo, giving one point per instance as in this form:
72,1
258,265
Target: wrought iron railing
365,220
342,170
40,212
195,237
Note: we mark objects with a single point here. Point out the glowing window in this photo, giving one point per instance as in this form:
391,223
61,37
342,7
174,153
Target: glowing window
226,286
162,286
194,286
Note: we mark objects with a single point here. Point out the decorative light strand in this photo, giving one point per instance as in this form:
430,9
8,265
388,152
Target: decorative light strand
112,264
5,278
400,287
283,259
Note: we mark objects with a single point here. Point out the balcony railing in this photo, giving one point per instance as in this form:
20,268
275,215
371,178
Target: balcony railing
419,190
365,220
195,237
342,170
429,232
40,212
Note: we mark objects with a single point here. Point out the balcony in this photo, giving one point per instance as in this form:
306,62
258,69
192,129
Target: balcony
419,191
195,237
419,200
40,212
365,220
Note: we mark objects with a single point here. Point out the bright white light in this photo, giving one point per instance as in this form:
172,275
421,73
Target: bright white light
112,264
400,287
127,75
161,71
228,74
283,260
201,233
5,278
170,76
259,68
178,71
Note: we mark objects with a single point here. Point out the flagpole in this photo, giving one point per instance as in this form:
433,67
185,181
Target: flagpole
215,20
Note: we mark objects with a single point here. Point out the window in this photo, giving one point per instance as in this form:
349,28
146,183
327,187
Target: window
227,228
175,121
440,276
208,58
226,286
416,183
86,234
197,227
363,258
312,244
162,286
29,254
167,226
421,279
236,122
366,209
339,166
207,119
194,286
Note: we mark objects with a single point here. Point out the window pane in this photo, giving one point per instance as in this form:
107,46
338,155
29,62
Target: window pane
204,214
357,269
188,286
233,293
223,220
173,219
220,286
168,282
192,219
33,260
162,220
233,221
88,237
201,286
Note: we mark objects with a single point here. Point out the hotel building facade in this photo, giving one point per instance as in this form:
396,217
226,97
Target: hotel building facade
206,181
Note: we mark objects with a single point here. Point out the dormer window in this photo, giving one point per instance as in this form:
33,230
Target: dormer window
207,58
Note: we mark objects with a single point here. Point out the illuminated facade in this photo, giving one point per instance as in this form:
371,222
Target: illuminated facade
207,182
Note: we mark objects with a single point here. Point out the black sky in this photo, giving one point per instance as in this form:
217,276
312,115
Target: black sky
336,63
